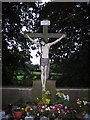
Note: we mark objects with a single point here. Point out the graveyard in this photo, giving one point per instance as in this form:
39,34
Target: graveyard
56,88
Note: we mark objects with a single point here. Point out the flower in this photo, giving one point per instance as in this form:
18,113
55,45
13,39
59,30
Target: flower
68,97
47,101
58,94
82,105
44,99
22,108
79,102
37,98
58,105
47,92
61,97
85,102
28,108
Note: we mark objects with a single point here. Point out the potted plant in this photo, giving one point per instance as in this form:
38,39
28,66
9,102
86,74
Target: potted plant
82,108
18,112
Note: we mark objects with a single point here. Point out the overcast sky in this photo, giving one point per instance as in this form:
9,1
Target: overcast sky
35,60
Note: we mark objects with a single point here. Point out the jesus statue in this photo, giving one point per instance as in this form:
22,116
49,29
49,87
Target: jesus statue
44,58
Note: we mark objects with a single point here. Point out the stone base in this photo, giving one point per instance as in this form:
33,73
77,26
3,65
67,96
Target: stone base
51,86
37,91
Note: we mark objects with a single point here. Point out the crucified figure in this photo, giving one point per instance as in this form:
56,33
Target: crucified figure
44,58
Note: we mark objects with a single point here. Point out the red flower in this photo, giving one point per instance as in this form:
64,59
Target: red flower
58,106
39,107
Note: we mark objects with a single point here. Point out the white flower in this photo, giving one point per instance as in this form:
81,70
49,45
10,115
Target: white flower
65,107
59,111
53,107
37,114
46,109
85,102
64,96
31,109
68,97
43,106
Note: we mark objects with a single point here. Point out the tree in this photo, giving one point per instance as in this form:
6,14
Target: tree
70,56
15,47
71,18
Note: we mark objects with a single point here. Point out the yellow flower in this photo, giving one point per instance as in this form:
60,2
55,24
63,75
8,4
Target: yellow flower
22,109
47,92
47,101
79,101
37,98
58,94
42,110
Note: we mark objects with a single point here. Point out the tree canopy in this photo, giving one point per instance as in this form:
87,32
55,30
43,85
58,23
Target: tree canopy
70,57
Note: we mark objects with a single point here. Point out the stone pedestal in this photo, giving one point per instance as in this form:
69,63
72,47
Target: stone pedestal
37,91
51,86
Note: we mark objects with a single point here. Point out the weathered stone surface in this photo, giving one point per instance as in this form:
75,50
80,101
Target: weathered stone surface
50,85
36,90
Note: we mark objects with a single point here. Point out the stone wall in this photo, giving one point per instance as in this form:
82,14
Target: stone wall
14,94
75,93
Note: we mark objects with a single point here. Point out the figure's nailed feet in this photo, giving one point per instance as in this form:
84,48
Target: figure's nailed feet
43,88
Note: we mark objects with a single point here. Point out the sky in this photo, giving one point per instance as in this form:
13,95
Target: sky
45,0
35,60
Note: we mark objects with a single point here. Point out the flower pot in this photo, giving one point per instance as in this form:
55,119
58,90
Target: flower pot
18,114
79,116
29,117
86,117
43,118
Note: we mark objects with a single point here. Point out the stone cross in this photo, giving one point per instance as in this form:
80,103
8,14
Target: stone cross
45,34
45,48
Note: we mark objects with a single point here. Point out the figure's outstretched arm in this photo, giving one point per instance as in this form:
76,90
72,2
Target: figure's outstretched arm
26,35
63,36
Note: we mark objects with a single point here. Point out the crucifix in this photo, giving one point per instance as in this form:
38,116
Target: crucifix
45,46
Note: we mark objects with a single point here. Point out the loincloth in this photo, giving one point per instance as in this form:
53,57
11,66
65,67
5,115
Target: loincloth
44,61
